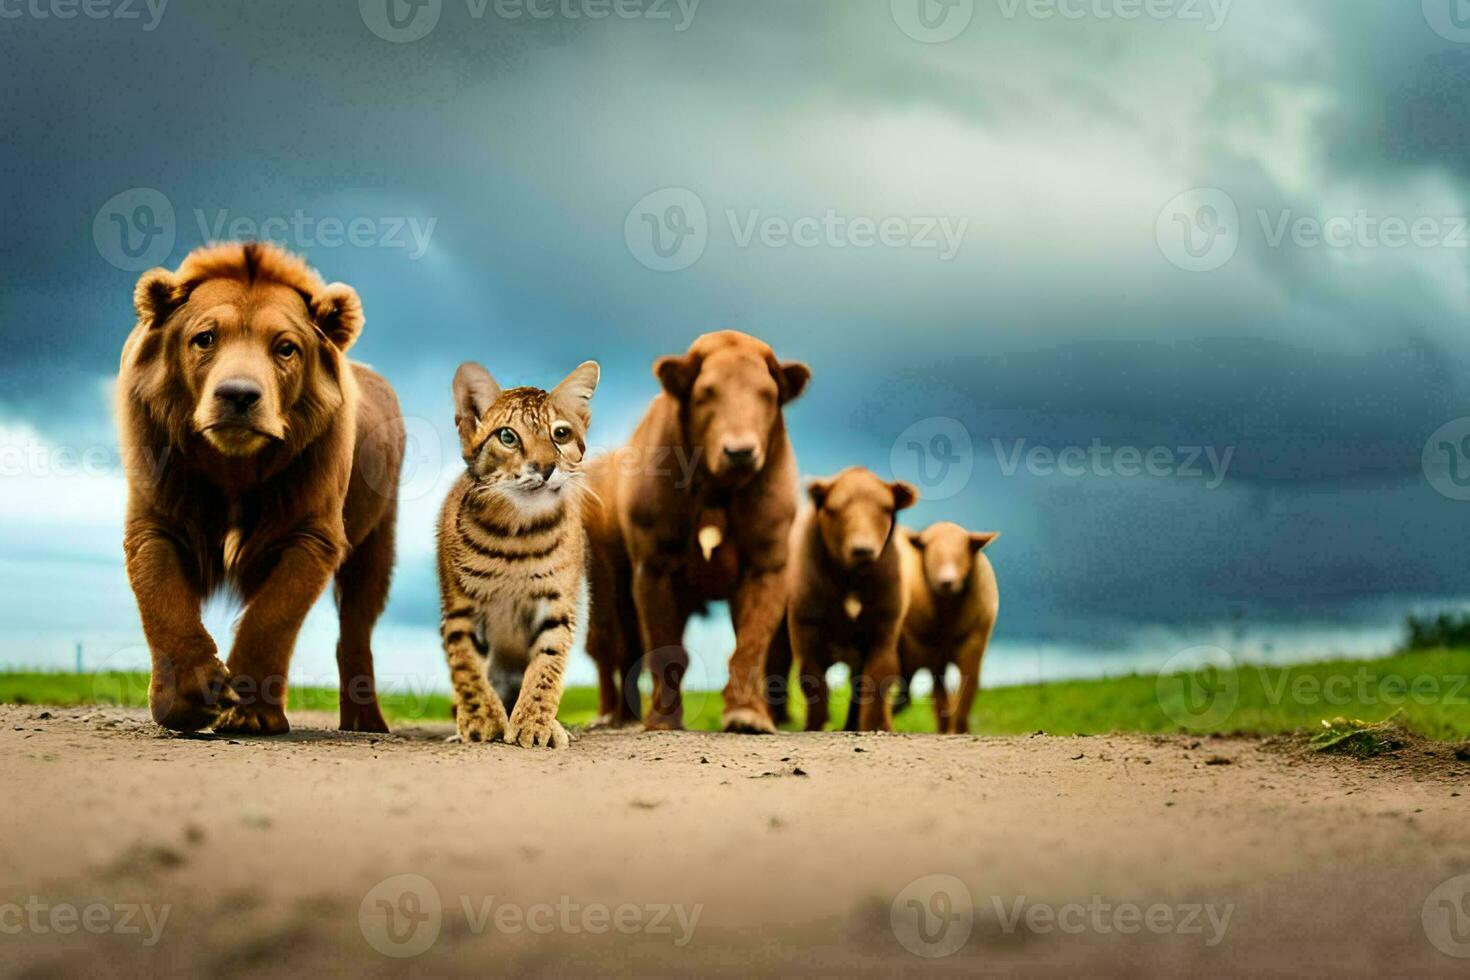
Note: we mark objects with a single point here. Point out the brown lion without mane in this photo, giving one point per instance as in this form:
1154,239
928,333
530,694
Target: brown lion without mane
275,465
696,507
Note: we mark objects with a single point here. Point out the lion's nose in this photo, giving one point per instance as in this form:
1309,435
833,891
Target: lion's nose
240,394
740,457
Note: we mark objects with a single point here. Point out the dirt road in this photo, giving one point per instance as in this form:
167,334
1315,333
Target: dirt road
124,848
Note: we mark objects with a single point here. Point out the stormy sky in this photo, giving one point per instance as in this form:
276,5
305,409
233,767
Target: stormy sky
1173,294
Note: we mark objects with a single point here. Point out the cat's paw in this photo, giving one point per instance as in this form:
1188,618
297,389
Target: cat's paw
535,733
478,726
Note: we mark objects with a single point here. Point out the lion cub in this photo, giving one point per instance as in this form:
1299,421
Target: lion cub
846,601
511,552
952,604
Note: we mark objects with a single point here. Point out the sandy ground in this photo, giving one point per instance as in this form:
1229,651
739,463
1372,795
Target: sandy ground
125,849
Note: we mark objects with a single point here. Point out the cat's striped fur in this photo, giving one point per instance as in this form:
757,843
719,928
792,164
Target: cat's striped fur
511,551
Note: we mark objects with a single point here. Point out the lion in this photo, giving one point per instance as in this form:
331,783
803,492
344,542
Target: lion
953,600
276,463
846,600
697,507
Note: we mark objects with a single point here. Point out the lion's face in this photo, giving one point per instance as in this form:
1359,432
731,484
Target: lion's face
949,554
731,390
243,363
855,513
246,355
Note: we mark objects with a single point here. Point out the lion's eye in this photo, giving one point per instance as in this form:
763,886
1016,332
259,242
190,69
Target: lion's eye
286,350
507,437
561,433
203,340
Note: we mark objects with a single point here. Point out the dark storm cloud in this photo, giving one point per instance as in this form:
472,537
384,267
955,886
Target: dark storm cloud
522,144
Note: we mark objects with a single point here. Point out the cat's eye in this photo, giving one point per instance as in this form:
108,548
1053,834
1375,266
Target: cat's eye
507,437
561,433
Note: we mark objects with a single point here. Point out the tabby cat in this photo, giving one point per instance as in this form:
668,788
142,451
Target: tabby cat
511,553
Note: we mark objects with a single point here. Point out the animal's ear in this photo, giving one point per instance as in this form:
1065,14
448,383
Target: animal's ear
156,296
979,539
337,313
916,538
793,376
474,392
904,495
676,373
818,490
576,389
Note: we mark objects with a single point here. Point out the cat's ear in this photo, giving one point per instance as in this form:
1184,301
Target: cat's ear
575,390
474,392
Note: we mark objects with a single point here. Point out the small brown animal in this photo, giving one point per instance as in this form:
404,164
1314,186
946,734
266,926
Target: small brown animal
952,605
511,553
277,467
697,507
847,599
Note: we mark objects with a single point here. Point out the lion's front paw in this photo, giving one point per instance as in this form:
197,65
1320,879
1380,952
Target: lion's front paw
253,719
533,733
748,720
478,726
188,698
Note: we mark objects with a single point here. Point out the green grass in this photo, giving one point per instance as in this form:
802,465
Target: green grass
1430,689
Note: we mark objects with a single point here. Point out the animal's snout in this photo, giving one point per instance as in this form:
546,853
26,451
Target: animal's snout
544,469
740,457
861,554
948,581
239,395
